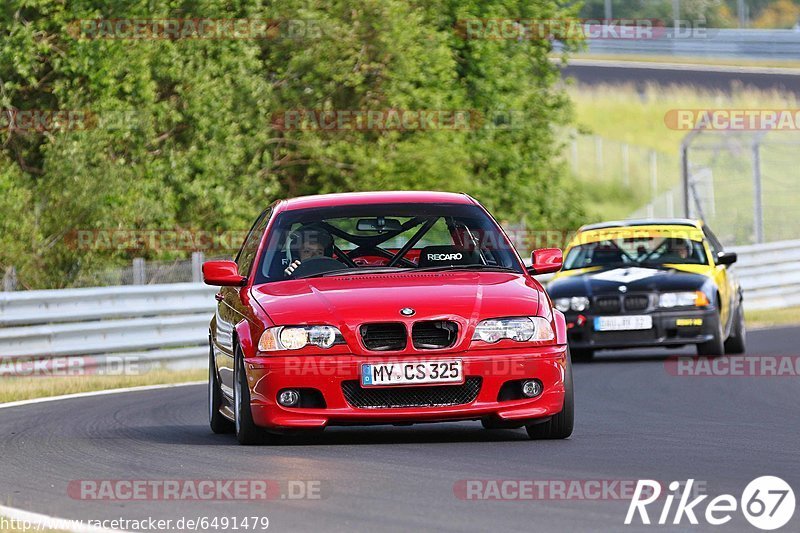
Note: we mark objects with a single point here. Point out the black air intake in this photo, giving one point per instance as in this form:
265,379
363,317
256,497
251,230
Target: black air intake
384,336
399,396
434,334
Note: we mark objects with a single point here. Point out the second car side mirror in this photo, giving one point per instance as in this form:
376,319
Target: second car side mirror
545,261
726,258
222,274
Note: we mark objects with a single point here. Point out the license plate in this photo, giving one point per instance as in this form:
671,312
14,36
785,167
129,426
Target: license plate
411,373
623,323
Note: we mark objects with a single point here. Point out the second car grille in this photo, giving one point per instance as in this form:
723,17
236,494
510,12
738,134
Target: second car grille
607,304
434,334
384,336
424,396
636,302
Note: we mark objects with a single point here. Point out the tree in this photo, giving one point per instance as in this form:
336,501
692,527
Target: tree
779,14
180,133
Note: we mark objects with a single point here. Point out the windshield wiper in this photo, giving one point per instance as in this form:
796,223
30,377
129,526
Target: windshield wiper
496,268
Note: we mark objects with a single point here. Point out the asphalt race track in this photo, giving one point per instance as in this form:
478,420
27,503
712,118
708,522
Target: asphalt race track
634,420
710,78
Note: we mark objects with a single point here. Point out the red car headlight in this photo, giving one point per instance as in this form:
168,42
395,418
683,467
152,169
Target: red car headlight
297,337
520,329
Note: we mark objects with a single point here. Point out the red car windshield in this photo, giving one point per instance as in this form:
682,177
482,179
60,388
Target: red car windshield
359,239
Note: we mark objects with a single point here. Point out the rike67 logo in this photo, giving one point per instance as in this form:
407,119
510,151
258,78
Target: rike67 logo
767,502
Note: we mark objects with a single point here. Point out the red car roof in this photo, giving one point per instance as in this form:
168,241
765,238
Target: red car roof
383,197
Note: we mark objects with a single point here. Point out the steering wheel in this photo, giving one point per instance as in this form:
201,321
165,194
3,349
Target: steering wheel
316,265
362,251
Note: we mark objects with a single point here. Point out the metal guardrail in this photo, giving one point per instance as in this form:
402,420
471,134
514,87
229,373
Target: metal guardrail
769,274
167,323
129,301
711,42
152,323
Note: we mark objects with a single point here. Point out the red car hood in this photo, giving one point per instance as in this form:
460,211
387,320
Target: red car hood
347,301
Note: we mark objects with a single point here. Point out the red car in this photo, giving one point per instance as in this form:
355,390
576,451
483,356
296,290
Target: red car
384,308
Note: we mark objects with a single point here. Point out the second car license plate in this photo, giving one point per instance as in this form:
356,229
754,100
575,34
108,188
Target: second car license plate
623,323
412,373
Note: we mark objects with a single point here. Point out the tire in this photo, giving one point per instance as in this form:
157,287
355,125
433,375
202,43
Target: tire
737,342
582,355
247,432
560,425
715,347
217,421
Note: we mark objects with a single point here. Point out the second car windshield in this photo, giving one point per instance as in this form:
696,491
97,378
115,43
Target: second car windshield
363,238
646,251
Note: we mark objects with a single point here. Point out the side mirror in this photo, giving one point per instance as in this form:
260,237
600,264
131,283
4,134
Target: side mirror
546,260
222,274
726,258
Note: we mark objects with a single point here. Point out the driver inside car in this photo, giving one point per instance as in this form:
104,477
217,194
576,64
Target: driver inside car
678,252
306,244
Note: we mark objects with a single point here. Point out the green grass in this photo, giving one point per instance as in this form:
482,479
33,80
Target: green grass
25,388
789,316
624,114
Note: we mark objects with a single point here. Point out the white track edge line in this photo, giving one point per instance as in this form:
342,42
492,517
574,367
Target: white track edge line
43,521
45,399
65,524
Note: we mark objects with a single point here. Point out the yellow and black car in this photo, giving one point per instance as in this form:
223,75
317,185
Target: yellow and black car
643,283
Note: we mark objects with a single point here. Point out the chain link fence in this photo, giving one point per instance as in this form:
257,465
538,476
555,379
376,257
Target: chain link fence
639,181
744,184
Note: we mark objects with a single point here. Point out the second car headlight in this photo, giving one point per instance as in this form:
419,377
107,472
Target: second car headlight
576,303
521,329
297,337
683,299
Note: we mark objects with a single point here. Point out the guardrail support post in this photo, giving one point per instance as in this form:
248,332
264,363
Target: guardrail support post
197,267
758,209
653,175
138,271
10,279
685,179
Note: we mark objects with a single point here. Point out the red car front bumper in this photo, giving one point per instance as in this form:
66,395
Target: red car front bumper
268,375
